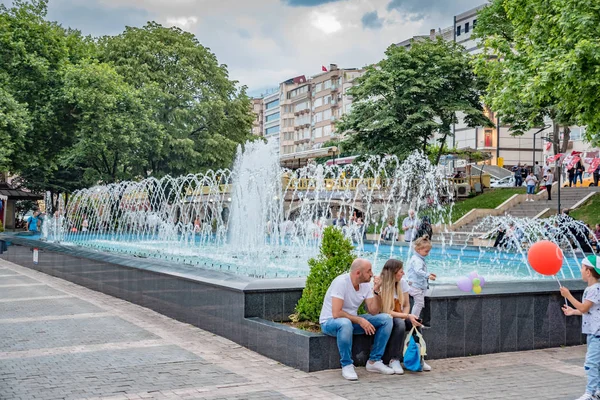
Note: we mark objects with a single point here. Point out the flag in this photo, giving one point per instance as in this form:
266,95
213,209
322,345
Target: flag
548,145
323,68
593,165
576,153
555,157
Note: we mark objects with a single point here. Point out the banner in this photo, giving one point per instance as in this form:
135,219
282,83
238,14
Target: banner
593,165
554,157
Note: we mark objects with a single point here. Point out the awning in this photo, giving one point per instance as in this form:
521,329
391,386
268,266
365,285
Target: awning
300,158
16,194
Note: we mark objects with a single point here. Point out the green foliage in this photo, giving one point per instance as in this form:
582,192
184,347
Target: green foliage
541,60
588,212
411,95
201,116
78,110
334,259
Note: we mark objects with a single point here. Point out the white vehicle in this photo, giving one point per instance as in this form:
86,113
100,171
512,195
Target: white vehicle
507,181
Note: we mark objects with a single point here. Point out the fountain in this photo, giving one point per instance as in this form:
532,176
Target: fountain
256,220
227,251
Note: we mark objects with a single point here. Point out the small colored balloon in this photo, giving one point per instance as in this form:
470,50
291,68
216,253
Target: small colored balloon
473,275
545,257
481,281
476,282
464,284
476,289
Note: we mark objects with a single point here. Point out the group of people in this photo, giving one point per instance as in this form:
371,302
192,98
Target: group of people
535,178
389,315
412,226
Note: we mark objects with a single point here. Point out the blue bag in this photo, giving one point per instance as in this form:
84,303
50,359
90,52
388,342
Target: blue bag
414,352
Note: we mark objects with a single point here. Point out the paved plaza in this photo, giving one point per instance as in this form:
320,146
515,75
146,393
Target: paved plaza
59,340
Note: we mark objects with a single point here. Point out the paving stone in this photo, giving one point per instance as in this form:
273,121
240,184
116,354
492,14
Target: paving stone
69,332
47,307
20,292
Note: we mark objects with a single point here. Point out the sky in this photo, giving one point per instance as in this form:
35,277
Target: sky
265,42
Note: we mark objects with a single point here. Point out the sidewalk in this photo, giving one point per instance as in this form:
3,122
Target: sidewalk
59,340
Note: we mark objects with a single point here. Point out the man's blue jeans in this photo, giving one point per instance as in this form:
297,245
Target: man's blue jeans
343,329
592,364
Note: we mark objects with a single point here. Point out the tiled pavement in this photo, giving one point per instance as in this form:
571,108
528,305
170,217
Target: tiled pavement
59,340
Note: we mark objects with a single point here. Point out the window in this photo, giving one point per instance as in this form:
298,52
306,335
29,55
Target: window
327,130
273,117
326,85
327,99
301,106
326,114
273,104
318,87
458,30
467,27
474,22
318,132
272,130
318,117
318,102
348,108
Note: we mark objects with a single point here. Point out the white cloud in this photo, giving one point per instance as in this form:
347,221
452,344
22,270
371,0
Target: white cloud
183,22
326,23
265,42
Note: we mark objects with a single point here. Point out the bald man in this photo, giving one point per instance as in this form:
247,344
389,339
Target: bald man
339,317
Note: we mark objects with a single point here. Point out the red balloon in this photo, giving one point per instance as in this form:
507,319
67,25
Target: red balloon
545,257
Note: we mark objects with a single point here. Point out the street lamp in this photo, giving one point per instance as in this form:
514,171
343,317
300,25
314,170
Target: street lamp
534,135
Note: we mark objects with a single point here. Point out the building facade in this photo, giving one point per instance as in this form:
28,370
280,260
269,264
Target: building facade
257,109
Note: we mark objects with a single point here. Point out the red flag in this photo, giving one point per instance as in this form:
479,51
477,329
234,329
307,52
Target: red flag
576,153
593,165
555,157
548,145
323,68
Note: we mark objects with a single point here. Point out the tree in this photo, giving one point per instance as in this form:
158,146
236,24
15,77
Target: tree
411,95
14,124
539,58
199,111
113,129
334,259
33,53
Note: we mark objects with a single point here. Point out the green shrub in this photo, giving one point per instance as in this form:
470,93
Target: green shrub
1,227
334,259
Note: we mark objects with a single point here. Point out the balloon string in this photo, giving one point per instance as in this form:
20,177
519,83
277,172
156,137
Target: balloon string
559,285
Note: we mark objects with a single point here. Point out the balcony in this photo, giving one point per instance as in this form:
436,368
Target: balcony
334,88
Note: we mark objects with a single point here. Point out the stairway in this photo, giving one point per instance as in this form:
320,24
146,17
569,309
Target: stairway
568,198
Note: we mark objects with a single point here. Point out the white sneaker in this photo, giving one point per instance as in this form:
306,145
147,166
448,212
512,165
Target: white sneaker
349,373
395,365
426,367
587,396
379,367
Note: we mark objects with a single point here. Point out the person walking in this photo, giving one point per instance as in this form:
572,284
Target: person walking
410,226
531,182
597,175
571,173
548,180
579,172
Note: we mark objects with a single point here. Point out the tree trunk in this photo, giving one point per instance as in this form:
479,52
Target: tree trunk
442,143
555,136
566,138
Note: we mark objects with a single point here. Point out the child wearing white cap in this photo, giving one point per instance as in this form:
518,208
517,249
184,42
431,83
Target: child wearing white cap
589,309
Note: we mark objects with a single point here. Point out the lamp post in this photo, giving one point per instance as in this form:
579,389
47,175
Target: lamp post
534,135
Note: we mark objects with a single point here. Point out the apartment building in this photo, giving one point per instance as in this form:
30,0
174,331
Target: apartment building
315,105
258,123
272,115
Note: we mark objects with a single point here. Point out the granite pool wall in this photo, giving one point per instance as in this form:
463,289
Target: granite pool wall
509,316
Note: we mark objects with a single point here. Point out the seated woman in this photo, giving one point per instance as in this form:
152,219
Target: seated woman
395,301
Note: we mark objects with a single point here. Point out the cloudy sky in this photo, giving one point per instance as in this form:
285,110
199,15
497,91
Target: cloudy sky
264,42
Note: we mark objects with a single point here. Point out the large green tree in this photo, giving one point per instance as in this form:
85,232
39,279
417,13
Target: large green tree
33,54
201,114
113,129
542,62
411,95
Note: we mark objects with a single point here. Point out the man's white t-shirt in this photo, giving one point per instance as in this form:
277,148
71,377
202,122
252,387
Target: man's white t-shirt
342,288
